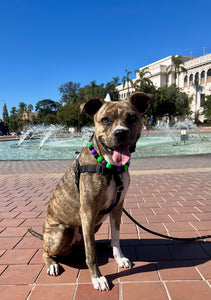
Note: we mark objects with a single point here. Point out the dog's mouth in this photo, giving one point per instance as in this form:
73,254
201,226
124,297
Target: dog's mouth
120,155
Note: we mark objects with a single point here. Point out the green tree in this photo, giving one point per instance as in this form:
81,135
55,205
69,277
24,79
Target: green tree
30,107
68,91
90,91
70,115
95,90
21,108
207,108
46,107
115,81
143,83
176,67
110,88
127,81
5,114
12,121
171,102
13,111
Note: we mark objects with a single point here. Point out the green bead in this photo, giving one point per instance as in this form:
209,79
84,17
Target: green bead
125,167
90,144
100,159
108,165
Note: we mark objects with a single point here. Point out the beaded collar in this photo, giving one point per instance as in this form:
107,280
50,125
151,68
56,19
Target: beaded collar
106,164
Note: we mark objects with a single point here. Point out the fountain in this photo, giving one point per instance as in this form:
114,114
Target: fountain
48,132
55,142
164,126
24,134
188,124
43,132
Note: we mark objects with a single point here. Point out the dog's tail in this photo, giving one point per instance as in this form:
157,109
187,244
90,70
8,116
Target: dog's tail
36,234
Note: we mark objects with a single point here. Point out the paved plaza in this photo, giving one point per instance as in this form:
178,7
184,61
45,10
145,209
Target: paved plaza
171,195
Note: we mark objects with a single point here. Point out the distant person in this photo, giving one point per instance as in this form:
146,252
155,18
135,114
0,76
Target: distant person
152,121
1,127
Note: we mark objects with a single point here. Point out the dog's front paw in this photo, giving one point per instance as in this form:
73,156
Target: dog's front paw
53,269
121,260
100,283
124,262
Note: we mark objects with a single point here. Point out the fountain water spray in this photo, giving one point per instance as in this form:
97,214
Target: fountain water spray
24,134
48,131
188,124
42,131
163,126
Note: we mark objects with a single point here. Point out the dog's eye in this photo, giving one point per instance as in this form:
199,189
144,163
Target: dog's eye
105,121
131,118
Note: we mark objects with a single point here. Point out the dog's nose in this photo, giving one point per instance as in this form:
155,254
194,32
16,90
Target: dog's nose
121,133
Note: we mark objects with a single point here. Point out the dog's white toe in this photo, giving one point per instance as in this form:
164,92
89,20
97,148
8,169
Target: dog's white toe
100,283
53,270
124,262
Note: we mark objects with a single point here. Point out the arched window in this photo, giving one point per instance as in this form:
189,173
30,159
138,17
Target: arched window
185,81
196,78
209,75
191,79
202,76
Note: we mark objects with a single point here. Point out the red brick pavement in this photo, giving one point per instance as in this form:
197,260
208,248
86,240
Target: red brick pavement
169,195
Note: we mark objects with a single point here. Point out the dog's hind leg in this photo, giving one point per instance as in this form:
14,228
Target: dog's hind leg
56,242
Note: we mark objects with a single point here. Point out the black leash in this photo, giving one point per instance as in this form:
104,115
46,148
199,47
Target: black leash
163,235
119,185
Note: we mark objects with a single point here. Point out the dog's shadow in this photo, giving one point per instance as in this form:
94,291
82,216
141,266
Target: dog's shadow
159,253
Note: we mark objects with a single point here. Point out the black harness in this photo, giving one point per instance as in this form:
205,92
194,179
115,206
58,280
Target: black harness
102,171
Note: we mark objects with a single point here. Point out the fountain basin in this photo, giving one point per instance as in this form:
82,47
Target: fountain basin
150,144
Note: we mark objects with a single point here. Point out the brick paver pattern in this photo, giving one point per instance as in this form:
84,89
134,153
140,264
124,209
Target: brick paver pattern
168,195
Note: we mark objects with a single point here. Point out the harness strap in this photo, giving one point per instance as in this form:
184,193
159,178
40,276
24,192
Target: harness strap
88,169
103,171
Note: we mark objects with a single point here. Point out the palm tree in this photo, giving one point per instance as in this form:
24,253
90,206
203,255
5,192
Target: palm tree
115,80
13,111
92,88
30,107
126,80
22,106
176,66
142,79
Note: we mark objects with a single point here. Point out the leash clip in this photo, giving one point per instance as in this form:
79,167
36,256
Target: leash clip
120,188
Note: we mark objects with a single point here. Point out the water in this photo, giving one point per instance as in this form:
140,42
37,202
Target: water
48,132
188,124
44,132
153,144
163,126
157,144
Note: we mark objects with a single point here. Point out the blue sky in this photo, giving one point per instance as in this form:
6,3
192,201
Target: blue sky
46,43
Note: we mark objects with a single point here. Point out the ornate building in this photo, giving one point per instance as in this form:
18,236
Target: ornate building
195,81
28,115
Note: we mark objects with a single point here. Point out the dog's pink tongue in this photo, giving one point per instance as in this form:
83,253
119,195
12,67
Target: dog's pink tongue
121,155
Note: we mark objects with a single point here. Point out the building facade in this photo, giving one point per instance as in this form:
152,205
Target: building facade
195,81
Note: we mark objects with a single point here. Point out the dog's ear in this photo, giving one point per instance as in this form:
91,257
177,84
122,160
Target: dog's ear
92,106
141,101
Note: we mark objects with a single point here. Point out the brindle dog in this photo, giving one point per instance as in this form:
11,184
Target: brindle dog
74,214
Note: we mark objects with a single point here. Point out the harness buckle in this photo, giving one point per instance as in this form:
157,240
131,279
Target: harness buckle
99,169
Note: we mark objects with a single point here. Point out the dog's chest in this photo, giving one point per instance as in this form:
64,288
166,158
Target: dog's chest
111,192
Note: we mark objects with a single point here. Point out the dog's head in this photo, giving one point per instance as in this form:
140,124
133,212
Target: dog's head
117,125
